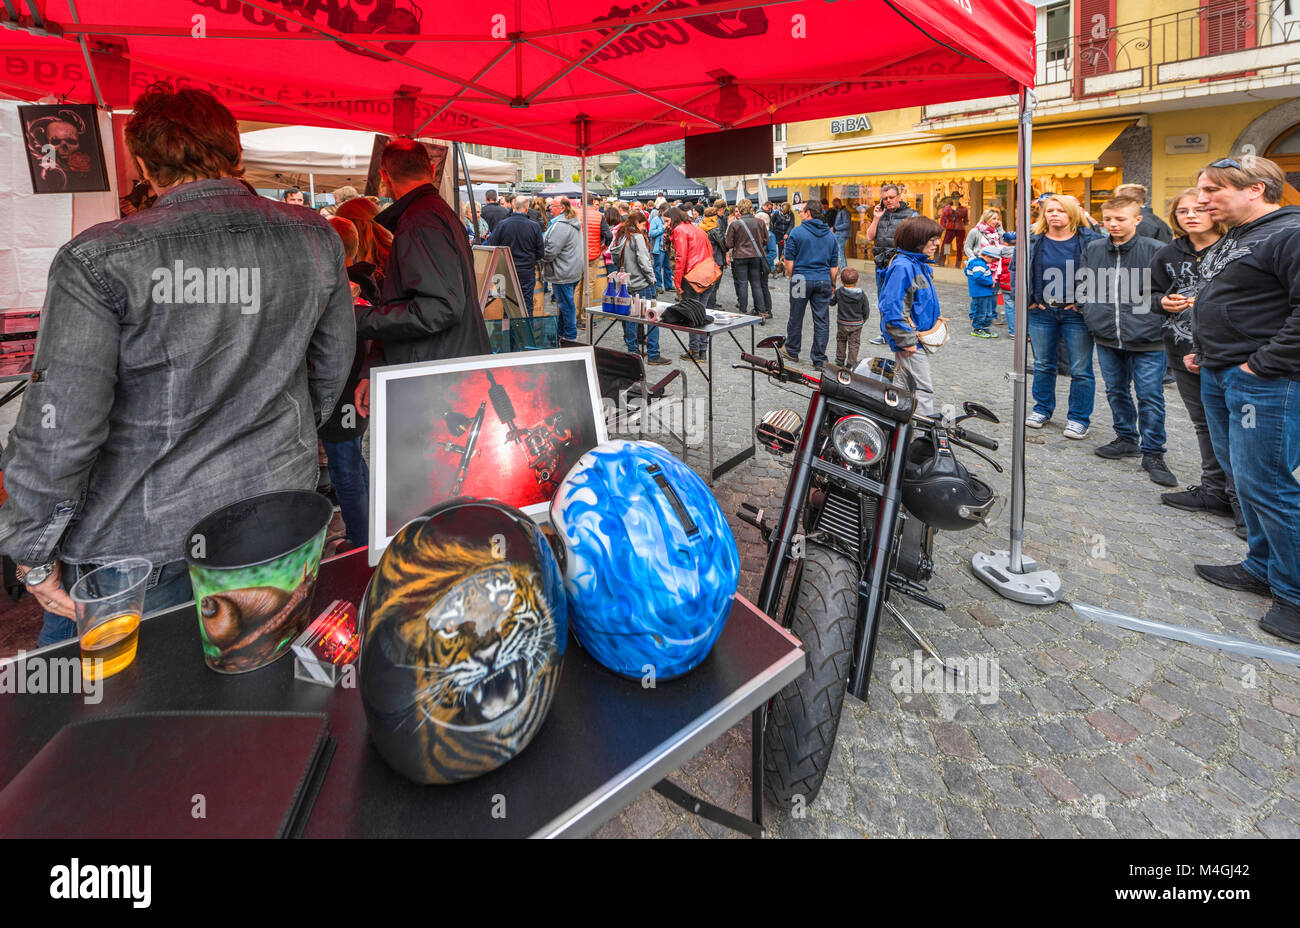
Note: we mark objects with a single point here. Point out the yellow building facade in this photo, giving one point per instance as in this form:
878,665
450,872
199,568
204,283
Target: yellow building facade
1127,91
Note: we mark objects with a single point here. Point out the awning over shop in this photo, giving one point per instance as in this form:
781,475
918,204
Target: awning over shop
1071,151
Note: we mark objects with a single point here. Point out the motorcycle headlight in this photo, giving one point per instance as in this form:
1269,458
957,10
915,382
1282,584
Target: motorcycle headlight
858,440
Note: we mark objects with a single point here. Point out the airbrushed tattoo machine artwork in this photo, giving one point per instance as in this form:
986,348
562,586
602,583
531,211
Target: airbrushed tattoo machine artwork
541,443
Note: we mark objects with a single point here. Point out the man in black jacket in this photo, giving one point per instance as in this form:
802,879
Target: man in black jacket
1130,349
493,212
429,309
885,220
524,239
1247,337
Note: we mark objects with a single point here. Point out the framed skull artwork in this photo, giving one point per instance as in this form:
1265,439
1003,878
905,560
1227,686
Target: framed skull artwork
64,150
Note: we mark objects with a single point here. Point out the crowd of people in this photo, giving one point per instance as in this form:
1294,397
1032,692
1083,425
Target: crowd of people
175,401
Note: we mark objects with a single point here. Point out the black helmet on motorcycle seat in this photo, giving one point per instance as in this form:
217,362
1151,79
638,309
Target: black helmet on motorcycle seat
939,491
465,623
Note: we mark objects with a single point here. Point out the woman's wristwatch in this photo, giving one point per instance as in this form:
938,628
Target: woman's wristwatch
33,576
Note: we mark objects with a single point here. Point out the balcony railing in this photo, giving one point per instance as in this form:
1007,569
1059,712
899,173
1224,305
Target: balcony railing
1222,40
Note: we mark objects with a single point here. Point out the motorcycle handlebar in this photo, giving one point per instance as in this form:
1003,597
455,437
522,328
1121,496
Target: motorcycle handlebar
975,439
776,369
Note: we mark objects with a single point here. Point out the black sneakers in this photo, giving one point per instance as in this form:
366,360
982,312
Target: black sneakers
1232,577
1197,499
1283,620
1154,465
1119,448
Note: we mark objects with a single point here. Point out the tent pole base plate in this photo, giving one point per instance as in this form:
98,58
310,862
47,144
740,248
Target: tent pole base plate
1034,587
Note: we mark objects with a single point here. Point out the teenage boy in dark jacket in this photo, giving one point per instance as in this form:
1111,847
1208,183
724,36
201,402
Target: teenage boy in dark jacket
1247,335
1116,306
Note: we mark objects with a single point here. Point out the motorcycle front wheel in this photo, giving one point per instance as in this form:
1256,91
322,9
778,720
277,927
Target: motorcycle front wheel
803,718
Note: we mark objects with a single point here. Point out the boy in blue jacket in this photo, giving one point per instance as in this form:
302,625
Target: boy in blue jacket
983,291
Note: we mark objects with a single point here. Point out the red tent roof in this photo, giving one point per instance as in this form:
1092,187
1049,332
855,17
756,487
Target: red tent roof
537,75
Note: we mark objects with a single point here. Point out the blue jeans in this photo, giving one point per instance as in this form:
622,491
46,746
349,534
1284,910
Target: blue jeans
818,292
982,311
1009,301
699,344
841,243
1255,426
351,480
527,287
568,312
663,274
172,589
1145,371
747,273
632,332
880,280
1047,327
771,251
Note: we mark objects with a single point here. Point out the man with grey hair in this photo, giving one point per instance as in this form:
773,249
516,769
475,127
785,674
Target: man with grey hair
1246,335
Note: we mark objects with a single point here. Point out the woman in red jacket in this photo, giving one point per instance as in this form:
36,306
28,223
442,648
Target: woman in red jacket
691,245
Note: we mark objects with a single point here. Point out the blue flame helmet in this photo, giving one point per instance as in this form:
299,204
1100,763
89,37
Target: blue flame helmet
651,565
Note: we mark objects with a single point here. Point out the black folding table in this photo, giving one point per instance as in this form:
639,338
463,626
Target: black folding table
605,742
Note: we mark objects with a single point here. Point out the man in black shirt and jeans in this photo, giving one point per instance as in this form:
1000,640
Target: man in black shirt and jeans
493,212
1247,338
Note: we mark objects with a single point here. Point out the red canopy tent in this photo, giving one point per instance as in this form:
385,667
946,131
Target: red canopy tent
564,76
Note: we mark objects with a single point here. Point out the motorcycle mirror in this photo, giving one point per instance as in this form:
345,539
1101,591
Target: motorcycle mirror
772,341
979,411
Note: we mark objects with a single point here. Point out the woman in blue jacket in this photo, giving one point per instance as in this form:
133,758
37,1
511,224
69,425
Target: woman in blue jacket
1055,256
909,304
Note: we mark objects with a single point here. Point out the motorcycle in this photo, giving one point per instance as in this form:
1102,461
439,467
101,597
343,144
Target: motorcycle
871,484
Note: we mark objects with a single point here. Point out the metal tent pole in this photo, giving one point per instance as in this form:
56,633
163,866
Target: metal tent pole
582,209
469,190
1009,572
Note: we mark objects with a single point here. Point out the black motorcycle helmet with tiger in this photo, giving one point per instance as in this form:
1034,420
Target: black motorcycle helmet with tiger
465,625
938,489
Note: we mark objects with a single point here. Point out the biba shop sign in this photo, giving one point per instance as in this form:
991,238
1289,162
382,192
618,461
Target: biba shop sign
850,124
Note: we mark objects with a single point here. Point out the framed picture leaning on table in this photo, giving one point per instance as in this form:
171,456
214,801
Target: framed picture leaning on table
504,426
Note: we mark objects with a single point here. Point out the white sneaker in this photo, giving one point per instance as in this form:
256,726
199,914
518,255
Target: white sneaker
1076,430
1035,420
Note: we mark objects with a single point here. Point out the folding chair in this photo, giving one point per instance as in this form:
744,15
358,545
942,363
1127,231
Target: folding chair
622,378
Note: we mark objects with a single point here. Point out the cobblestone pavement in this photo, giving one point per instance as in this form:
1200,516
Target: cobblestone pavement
1097,731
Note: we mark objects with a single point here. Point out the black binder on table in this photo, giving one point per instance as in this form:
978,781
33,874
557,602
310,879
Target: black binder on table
172,775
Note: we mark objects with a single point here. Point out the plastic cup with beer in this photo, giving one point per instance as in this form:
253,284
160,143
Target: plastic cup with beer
109,602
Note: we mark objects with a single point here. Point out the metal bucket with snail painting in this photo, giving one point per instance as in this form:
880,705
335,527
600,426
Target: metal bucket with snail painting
253,565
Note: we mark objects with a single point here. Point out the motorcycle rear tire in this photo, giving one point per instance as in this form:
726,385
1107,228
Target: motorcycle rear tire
803,718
